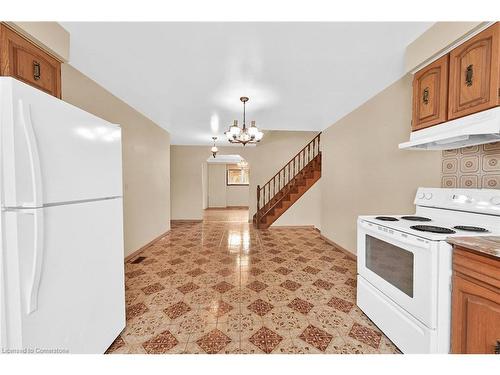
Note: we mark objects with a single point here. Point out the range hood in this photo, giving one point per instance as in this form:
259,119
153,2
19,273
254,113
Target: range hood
476,129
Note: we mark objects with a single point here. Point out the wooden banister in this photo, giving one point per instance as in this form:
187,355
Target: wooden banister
280,180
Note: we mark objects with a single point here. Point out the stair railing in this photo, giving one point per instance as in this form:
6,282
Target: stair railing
276,185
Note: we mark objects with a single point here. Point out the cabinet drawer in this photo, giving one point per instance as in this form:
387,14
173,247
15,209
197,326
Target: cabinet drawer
26,62
430,94
474,74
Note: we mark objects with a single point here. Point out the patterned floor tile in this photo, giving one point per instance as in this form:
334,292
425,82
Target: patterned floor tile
187,288
161,343
290,285
136,310
177,310
223,287
365,335
301,306
257,286
214,282
260,307
316,337
150,289
283,271
265,339
340,304
213,342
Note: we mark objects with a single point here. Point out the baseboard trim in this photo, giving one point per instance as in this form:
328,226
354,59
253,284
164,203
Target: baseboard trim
152,242
227,208
292,226
337,246
186,221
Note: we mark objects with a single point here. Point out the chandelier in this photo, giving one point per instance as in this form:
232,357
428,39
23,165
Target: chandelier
214,148
244,135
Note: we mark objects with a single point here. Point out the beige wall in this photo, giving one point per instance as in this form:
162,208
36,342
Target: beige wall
50,36
237,196
146,158
436,39
363,170
217,185
219,193
277,148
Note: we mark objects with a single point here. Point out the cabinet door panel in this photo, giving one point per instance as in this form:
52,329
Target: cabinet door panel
475,317
23,60
430,94
474,74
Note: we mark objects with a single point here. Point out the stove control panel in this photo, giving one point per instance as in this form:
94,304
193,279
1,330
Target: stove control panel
485,201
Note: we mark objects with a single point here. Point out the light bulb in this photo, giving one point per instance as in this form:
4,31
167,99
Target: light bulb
259,136
253,129
234,129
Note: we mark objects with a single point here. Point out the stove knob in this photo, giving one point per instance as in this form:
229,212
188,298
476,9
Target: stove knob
495,201
421,196
428,196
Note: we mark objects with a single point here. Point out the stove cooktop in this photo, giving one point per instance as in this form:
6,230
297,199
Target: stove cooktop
432,229
437,227
415,218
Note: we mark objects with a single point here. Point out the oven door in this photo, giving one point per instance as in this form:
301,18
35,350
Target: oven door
402,266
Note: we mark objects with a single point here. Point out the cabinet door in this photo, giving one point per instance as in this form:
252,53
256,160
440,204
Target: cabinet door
475,317
430,94
24,61
474,74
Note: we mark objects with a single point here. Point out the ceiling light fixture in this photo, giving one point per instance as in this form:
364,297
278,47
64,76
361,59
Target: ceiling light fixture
244,135
214,148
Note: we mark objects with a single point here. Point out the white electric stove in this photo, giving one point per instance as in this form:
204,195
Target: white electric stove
404,264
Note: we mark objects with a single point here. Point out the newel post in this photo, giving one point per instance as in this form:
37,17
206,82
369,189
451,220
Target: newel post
258,208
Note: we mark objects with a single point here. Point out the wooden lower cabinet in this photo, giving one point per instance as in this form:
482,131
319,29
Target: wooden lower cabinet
23,60
475,303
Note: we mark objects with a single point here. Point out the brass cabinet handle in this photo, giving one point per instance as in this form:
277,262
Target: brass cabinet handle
468,75
36,70
425,96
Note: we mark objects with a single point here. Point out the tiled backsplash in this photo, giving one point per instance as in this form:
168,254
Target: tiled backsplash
472,167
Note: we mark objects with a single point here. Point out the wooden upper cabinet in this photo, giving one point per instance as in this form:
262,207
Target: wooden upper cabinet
23,60
430,94
474,74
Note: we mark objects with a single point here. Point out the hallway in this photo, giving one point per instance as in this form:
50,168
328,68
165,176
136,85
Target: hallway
221,286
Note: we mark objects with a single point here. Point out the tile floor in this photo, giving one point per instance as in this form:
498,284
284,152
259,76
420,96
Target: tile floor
221,286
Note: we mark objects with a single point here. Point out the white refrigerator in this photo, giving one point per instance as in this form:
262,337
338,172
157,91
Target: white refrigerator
61,258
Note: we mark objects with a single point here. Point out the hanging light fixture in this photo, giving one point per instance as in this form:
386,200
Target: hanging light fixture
243,135
214,148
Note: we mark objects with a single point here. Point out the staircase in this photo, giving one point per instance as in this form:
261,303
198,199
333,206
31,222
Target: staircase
288,185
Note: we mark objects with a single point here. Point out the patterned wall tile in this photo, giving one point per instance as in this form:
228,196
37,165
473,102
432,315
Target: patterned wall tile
472,167
491,181
449,182
450,165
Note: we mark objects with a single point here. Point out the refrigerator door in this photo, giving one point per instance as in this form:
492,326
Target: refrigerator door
53,152
66,277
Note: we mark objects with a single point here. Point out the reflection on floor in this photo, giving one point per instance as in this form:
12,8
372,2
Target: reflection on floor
231,215
224,287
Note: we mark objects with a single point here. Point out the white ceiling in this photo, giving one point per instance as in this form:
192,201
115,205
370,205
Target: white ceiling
188,77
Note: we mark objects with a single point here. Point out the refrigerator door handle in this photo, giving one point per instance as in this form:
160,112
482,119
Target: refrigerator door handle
35,170
38,254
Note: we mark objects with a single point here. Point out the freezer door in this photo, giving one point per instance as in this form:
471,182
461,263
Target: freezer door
70,274
53,152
